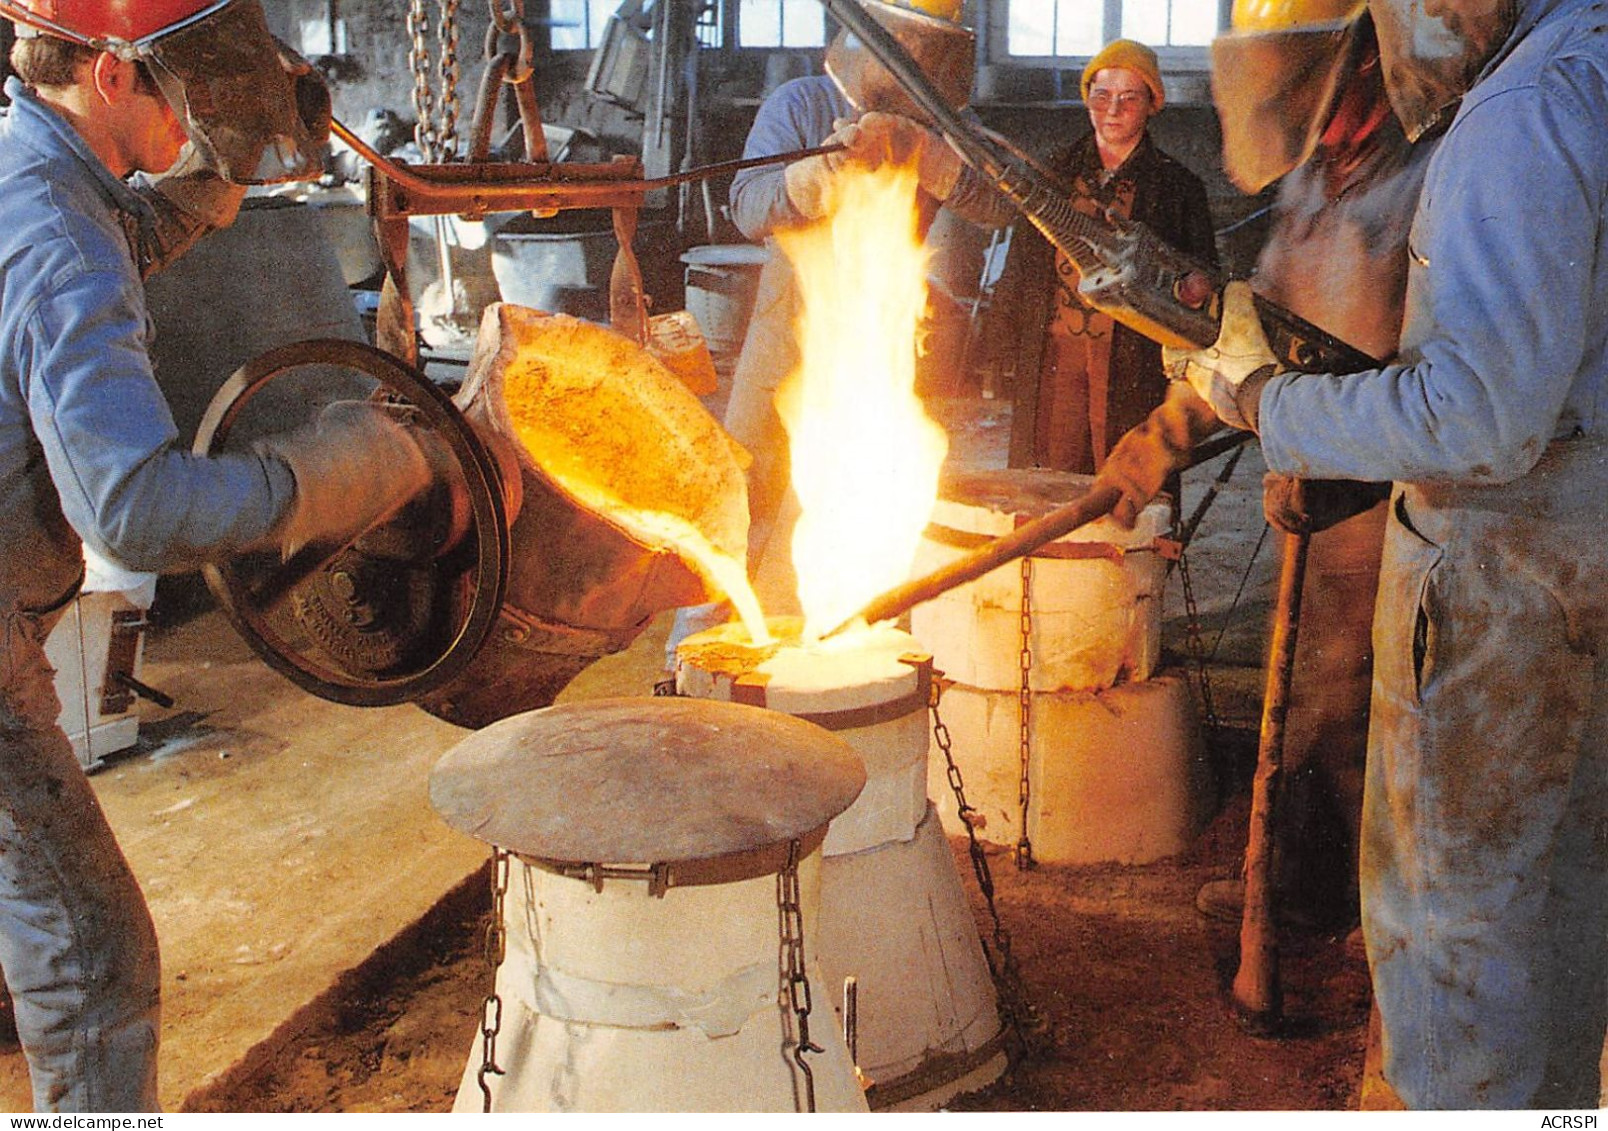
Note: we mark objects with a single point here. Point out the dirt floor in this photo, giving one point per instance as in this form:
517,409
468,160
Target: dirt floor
1128,983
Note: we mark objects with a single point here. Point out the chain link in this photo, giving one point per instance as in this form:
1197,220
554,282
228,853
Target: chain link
516,47
496,951
1015,1010
1195,645
423,94
791,910
447,133
1024,699
508,18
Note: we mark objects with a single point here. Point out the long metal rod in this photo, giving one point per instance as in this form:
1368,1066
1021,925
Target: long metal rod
589,180
1099,502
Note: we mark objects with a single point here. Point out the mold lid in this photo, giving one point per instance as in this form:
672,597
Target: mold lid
645,781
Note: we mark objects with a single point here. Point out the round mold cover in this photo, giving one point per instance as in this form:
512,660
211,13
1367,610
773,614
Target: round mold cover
645,780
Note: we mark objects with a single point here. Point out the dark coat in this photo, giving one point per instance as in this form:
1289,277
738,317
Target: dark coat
1168,199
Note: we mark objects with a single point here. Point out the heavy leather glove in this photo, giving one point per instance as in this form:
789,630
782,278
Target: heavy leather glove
1230,374
355,466
1308,506
880,138
809,181
1155,449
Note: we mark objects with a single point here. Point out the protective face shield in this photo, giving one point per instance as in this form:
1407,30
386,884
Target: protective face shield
1433,51
1275,79
929,30
220,70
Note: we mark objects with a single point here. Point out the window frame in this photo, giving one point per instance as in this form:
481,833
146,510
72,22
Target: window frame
994,29
554,49
729,30
732,10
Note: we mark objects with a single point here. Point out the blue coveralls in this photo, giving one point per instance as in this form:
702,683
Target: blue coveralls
1484,872
86,451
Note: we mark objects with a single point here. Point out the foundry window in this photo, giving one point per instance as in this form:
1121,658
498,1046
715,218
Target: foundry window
781,23
1063,29
711,23
578,25
584,25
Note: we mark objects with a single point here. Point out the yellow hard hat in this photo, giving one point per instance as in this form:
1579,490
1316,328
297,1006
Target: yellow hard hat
942,9
1283,15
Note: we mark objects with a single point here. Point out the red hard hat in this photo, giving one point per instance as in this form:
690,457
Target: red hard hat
99,22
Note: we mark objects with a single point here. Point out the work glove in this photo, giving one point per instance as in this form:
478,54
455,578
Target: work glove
880,138
1308,506
1156,448
357,465
809,181
1230,374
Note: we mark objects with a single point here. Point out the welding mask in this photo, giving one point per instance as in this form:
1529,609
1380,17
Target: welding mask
931,32
1432,52
1275,79
219,68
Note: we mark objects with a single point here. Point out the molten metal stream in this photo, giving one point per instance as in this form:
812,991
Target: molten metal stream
672,532
722,571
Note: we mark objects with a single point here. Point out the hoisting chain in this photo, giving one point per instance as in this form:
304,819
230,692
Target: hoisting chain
1024,699
791,910
496,951
447,135
436,131
508,36
1195,645
423,94
1015,1009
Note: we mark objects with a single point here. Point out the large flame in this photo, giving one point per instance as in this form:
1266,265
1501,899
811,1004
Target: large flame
865,455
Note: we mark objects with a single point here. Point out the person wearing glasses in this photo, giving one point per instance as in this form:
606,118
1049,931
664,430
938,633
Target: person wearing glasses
1096,379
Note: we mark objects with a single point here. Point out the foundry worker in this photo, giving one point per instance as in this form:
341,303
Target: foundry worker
859,104
1084,380
1300,93
1484,858
88,451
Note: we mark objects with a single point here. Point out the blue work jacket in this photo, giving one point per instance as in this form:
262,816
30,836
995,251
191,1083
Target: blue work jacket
1505,346
88,448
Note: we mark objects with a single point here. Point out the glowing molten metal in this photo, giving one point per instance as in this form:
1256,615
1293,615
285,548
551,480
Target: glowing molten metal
608,425
865,455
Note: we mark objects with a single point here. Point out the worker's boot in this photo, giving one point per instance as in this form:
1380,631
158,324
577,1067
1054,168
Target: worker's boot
1314,879
1375,1093
1224,901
